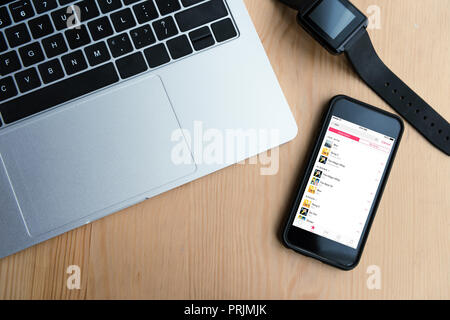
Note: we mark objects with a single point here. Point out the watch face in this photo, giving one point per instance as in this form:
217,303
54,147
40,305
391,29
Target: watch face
332,17
333,22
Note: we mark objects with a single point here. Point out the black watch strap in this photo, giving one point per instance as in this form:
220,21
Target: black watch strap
396,93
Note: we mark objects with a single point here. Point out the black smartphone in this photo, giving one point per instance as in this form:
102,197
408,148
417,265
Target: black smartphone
342,187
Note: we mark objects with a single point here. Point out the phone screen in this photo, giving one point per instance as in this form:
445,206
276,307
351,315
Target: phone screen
344,181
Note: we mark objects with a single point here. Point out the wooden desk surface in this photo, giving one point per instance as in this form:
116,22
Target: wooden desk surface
217,237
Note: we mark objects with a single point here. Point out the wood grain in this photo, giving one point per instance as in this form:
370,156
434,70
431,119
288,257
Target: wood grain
216,238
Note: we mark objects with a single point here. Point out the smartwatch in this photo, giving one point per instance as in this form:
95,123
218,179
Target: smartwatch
341,28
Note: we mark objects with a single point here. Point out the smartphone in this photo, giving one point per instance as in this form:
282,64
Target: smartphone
342,187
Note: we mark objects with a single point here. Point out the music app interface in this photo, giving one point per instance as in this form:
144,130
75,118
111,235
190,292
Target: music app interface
344,181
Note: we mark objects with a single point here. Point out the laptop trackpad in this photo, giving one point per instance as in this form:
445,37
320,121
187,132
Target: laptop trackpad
95,154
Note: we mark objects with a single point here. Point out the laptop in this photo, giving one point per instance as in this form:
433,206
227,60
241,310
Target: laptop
106,103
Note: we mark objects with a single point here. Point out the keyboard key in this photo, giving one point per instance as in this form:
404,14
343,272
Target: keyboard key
201,15
7,88
100,28
188,3
201,38
27,80
179,47
9,62
3,45
5,20
165,28
145,11
109,5
123,20
31,54
97,53
54,45
156,55
88,10
120,45
77,37
40,26
42,6
63,18
59,92
131,65
17,35
224,30
74,62
168,6
21,10
64,2
127,2
51,71
142,37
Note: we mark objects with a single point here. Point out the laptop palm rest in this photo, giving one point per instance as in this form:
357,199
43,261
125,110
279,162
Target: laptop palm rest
93,154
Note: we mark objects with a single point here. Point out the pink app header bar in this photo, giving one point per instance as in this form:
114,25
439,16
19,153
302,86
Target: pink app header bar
345,134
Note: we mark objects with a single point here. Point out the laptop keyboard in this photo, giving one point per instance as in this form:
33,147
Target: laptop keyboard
53,51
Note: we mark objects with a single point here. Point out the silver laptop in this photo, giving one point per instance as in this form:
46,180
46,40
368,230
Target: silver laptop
106,103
